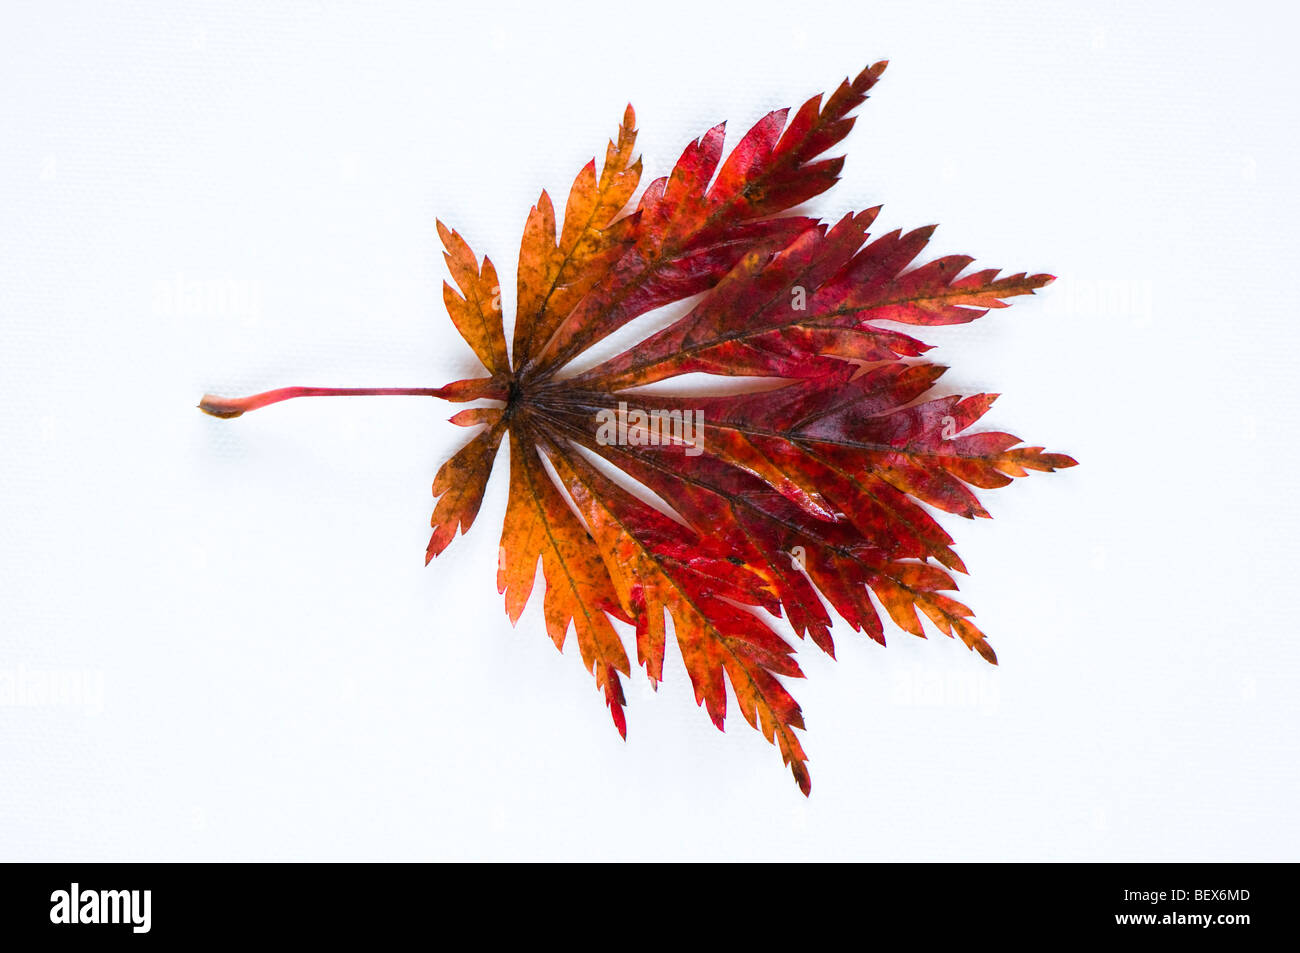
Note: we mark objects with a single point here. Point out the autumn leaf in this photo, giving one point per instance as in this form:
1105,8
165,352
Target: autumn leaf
708,516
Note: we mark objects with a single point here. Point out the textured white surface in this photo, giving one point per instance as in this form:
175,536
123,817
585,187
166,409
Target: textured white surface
259,666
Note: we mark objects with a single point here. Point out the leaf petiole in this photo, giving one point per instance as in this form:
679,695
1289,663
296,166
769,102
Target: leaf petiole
236,406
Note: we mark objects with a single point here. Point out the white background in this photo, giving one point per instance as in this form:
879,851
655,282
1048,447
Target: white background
268,670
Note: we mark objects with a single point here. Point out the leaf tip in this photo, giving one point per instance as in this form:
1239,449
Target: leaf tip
801,777
867,217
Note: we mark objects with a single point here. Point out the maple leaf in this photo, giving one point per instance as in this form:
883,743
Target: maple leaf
819,487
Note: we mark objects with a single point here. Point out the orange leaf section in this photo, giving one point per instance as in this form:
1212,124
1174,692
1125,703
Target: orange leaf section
460,484
555,274
540,525
476,311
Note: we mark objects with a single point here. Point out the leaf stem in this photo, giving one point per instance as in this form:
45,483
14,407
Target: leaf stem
235,406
